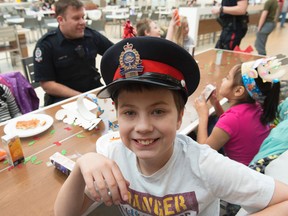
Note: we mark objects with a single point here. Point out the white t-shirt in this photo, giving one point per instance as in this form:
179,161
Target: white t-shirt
191,182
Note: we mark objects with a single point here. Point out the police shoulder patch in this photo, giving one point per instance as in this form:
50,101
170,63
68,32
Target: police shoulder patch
38,55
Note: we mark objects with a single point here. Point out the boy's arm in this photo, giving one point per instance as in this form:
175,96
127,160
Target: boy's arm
71,199
279,202
92,170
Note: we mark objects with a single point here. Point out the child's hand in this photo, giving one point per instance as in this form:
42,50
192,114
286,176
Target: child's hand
175,21
216,10
201,107
103,178
213,98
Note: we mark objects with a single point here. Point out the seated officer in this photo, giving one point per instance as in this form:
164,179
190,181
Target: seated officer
64,59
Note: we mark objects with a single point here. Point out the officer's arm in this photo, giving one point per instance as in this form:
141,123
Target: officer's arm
239,9
57,89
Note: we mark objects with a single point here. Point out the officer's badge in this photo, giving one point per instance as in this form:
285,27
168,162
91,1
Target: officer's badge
38,55
130,62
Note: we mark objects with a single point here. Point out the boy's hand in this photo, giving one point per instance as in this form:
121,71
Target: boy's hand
103,178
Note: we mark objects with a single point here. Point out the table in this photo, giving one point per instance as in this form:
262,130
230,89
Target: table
15,21
46,13
53,24
34,187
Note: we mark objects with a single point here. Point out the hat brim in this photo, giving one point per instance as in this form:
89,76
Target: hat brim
109,90
151,48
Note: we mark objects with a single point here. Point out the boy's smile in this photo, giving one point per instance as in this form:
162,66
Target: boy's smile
149,120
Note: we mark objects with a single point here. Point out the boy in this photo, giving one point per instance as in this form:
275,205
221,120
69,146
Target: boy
152,170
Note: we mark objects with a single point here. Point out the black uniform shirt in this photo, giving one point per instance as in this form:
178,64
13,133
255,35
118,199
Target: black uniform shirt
238,19
70,62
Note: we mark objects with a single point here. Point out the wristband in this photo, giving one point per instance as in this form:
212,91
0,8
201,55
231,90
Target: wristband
221,9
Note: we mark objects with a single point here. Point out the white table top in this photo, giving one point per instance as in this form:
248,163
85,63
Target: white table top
15,20
54,24
118,16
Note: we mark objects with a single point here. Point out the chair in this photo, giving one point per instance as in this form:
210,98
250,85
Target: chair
154,16
28,66
94,14
9,42
33,24
44,24
99,25
2,20
144,15
133,19
23,91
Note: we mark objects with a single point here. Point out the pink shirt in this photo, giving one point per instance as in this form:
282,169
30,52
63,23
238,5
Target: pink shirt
242,123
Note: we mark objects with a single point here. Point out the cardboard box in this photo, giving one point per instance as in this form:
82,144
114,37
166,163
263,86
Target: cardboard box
62,163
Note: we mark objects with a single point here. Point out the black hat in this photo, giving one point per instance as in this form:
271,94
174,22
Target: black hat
149,60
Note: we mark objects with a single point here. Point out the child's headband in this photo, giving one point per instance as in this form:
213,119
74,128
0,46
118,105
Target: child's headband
270,69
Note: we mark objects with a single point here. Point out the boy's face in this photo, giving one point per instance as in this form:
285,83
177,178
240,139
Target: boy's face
148,121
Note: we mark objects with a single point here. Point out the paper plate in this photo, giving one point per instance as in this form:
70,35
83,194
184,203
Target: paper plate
10,127
109,137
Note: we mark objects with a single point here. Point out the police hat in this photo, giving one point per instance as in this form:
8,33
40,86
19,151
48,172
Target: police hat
150,60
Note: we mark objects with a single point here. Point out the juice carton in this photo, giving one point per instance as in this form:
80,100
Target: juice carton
207,92
13,146
62,163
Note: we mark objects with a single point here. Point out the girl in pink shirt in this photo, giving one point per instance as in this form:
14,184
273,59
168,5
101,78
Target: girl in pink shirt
242,128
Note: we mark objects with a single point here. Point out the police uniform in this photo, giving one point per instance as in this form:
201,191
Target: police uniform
69,62
234,27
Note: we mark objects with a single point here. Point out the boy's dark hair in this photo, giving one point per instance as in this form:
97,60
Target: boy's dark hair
268,89
62,5
136,87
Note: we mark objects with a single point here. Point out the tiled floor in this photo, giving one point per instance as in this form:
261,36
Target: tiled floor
276,44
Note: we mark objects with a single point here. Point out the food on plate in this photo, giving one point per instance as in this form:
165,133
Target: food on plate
29,124
115,138
42,123
3,154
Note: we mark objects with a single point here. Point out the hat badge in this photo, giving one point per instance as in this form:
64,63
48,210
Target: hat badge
130,62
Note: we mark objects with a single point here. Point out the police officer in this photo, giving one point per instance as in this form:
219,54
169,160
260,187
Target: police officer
64,59
234,20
